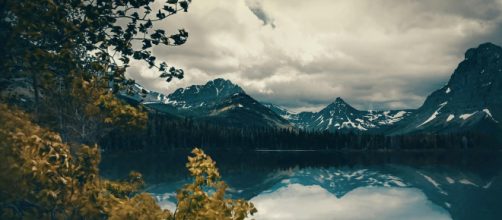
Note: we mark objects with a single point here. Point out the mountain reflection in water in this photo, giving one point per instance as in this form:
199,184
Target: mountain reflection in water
334,185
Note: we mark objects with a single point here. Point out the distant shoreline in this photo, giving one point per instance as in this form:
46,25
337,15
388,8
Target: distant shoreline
271,150
376,150
277,150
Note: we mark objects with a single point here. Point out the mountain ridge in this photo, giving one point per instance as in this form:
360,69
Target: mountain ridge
218,101
470,101
341,116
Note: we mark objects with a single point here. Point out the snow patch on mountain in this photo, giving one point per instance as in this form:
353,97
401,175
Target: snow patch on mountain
467,182
467,116
489,114
488,185
434,115
434,183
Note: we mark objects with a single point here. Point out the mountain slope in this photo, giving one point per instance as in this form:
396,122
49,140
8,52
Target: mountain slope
243,111
138,94
470,101
284,113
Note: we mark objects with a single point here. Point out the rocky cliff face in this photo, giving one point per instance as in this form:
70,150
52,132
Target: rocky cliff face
471,100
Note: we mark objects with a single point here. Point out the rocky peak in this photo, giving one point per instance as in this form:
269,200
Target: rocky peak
216,87
484,52
475,82
479,76
204,95
219,82
482,63
340,102
474,90
338,106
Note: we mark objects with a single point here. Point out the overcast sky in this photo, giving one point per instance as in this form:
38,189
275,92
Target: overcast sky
375,54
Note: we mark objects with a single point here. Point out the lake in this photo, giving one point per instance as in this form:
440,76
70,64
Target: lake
336,185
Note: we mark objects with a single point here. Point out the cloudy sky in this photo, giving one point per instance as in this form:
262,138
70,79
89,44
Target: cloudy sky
376,54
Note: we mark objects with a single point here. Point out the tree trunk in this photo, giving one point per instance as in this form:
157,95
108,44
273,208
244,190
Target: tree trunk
36,94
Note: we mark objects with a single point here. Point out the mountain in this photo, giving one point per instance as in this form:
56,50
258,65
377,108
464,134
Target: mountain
470,101
218,101
299,120
243,111
283,112
138,94
203,97
340,116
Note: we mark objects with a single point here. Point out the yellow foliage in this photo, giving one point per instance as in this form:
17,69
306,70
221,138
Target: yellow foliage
101,103
41,179
89,111
205,197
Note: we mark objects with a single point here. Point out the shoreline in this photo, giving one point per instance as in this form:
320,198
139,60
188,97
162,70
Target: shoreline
272,150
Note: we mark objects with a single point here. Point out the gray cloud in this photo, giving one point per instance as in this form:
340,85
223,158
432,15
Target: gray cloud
374,54
256,7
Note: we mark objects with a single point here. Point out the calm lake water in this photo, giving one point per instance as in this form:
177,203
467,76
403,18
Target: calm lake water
335,185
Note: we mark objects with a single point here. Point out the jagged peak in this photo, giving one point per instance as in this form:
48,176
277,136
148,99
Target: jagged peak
482,49
483,63
339,100
219,85
488,45
220,81
339,105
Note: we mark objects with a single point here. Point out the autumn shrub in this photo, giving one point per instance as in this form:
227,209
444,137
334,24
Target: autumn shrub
41,179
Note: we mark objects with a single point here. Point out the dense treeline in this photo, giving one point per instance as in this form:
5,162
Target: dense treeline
165,133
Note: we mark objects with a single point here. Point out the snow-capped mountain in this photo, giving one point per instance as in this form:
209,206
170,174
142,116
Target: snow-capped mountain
340,116
470,101
190,98
203,96
138,94
218,101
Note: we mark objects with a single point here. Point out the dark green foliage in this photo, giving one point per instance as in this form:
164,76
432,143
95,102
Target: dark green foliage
71,57
63,35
